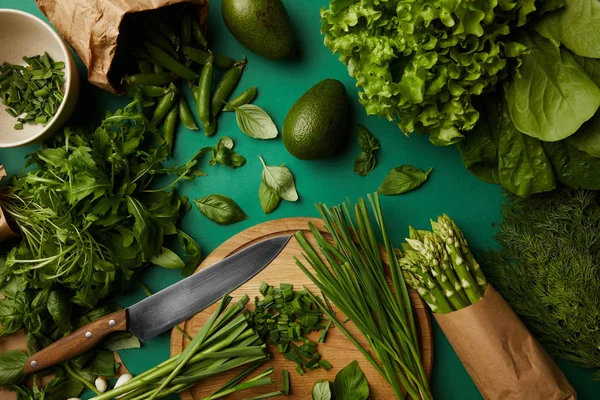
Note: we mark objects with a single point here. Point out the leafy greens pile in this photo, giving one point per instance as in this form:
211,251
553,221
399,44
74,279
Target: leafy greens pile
89,221
548,269
514,83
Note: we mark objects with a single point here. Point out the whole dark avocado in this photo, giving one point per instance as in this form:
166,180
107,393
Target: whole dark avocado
316,123
263,26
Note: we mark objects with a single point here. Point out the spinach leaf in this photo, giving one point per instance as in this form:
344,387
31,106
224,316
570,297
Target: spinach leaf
574,167
575,26
59,308
281,180
365,163
255,122
103,364
167,259
12,365
591,66
523,166
121,341
366,140
351,384
269,199
552,96
403,179
220,209
322,390
587,137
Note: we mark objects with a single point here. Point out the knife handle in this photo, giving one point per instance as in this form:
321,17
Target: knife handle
77,343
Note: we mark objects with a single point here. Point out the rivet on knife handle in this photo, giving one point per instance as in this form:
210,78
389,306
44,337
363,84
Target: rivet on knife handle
77,343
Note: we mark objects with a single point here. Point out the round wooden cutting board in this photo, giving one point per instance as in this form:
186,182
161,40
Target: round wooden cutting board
337,349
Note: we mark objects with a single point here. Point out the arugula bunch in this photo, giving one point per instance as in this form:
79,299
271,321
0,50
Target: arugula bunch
89,221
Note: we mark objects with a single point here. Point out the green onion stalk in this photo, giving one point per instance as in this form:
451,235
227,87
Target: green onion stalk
440,266
225,342
355,278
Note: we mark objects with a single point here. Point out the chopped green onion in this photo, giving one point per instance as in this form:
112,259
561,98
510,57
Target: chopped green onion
285,382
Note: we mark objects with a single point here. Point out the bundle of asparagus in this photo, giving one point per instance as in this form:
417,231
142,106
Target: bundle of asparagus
440,266
497,350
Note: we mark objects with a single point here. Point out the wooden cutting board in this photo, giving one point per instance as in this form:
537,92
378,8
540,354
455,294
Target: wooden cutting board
337,349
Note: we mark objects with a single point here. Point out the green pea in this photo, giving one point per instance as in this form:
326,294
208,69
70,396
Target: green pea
170,126
164,104
225,87
185,115
203,94
245,98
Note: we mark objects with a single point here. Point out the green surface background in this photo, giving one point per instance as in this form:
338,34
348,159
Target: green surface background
451,189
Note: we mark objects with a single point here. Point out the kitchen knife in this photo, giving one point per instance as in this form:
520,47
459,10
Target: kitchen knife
167,308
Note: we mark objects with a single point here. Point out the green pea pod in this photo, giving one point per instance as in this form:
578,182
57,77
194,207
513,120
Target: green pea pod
186,29
211,127
198,35
225,87
145,67
156,79
163,58
185,115
164,104
245,98
203,93
147,90
170,126
159,40
157,68
200,56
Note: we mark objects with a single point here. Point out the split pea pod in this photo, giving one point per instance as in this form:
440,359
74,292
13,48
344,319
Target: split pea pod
245,98
225,87
165,104
145,67
156,79
197,34
200,56
170,126
203,95
163,58
185,114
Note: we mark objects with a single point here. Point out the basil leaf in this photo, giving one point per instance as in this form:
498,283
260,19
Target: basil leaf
167,259
366,140
220,209
228,158
269,199
12,366
193,255
225,141
66,389
281,180
365,163
255,122
351,384
121,341
59,308
144,227
552,96
322,390
103,364
403,179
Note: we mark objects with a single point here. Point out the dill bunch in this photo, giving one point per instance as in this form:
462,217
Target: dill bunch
548,270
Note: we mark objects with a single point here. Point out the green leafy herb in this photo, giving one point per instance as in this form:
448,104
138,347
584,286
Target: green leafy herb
552,96
223,154
121,341
12,366
573,167
351,383
366,160
220,209
365,163
281,180
255,122
322,390
269,199
587,137
544,268
167,259
366,140
403,179
59,308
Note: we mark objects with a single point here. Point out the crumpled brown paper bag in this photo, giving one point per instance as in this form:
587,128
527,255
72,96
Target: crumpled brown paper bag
92,28
503,358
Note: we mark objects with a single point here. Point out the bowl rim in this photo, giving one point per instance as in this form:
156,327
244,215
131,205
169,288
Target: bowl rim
67,82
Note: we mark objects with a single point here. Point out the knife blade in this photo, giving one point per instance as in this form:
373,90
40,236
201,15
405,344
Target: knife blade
167,308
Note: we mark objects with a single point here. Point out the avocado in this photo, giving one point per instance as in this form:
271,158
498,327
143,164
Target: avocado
263,26
316,123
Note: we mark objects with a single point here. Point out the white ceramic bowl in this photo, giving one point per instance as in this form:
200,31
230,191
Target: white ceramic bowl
22,34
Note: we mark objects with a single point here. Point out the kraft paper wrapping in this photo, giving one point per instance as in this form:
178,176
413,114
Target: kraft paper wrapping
92,29
5,231
502,357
